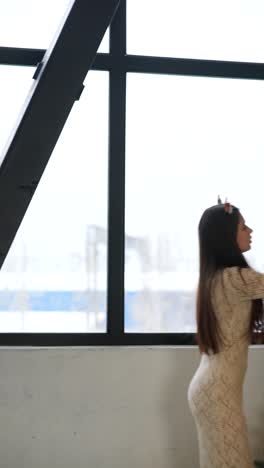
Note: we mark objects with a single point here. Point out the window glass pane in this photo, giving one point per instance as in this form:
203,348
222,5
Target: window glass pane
203,29
54,277
29,23
194,138
104,46
15,85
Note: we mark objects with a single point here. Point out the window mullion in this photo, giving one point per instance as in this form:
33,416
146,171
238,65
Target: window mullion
116,200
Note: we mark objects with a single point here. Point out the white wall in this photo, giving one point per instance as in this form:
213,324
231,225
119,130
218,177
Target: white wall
107,407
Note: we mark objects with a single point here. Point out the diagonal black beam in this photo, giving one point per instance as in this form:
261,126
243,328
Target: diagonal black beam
59,79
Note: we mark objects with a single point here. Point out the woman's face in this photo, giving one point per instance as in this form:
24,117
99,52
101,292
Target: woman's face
243,235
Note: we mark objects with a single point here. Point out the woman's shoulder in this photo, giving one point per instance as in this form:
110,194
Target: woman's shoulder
245,273
246,281
242,275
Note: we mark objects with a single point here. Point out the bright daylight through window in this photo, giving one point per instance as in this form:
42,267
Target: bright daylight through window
54,276
108,247
174,145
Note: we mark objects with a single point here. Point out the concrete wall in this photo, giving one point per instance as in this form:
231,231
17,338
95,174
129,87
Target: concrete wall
108,407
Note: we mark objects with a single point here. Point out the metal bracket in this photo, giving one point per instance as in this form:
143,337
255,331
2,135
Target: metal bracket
30,188
37,71
79,92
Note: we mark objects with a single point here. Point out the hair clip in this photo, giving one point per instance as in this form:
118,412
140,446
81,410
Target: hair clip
228,207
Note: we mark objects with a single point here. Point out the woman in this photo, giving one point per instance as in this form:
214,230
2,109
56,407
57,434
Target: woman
229,316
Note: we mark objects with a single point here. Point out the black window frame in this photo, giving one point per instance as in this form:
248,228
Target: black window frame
118,63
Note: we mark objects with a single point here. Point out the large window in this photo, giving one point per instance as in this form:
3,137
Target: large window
15,86
107,251
54,276
193,138
196,29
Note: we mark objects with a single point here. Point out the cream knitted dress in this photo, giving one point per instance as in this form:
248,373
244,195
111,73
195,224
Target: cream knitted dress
215,393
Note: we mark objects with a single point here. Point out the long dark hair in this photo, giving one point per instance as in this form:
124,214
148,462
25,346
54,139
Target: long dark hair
218,250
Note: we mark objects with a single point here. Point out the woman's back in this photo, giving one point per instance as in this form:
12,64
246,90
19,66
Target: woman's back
215,393
231,303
